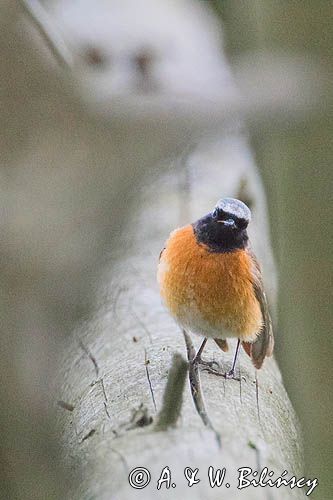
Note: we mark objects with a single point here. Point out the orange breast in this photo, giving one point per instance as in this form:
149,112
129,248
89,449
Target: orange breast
209,293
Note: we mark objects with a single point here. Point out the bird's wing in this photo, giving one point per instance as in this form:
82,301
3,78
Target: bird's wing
264,344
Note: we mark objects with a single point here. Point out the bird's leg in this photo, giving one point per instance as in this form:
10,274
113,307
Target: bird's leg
231,373
198,359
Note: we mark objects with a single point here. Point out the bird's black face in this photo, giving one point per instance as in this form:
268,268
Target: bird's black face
224,229
228,220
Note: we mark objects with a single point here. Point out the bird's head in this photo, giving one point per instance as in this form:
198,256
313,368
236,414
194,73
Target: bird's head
232,214
224,229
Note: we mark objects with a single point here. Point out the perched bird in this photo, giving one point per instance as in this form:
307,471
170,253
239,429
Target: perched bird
211,282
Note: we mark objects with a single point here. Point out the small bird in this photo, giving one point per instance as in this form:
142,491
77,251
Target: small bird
211,283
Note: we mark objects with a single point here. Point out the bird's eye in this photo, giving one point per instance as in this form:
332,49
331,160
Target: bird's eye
242,223
215,214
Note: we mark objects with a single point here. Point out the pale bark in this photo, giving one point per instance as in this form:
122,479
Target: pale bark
132,340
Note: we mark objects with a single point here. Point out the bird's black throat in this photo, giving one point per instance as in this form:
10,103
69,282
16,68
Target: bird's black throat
217,237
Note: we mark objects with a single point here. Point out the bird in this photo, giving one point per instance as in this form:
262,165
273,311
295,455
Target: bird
211,282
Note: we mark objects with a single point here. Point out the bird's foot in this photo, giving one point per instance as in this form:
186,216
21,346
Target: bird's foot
211,367
212,370
231,375
227,375
207,365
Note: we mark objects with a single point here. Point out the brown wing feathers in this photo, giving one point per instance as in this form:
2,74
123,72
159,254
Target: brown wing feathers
264,344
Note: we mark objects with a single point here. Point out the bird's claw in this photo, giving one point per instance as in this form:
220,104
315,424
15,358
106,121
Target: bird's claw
211,370
231,375
207,365
227,375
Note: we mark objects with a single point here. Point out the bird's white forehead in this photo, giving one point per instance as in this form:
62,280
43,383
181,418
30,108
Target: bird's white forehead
234,207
